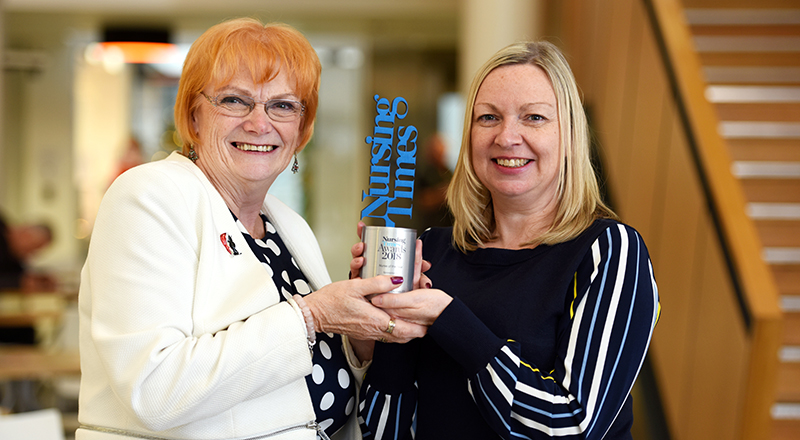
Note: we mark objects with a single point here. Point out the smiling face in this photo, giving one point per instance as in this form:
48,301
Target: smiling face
515,138
243,153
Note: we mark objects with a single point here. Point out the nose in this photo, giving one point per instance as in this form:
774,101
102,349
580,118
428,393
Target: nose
509,133
258,121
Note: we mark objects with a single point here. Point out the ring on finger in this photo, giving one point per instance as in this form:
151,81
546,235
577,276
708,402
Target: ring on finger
390,328
382,340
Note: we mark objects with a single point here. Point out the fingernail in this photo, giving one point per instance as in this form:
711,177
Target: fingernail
428,285
397,280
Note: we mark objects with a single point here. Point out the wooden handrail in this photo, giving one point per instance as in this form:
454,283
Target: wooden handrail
759,293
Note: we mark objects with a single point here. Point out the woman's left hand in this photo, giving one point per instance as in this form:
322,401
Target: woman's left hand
421,306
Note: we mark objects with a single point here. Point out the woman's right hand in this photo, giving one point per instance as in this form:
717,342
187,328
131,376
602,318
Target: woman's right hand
342,307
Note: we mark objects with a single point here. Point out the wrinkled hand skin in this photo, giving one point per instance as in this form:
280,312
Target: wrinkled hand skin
342,307
421,306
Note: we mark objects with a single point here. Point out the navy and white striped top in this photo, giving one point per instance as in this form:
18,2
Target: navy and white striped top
537,343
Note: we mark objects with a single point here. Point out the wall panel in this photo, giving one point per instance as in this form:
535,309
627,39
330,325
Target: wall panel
719,360
609,110
673,340
650,91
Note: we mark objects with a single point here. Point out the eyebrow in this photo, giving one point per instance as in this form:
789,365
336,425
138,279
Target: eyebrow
237,91
524,105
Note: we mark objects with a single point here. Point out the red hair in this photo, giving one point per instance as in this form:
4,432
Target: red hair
263,50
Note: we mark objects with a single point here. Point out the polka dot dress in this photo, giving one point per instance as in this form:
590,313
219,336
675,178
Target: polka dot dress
331,383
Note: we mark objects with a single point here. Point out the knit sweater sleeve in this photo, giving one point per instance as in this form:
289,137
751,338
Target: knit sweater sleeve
388,396
608,328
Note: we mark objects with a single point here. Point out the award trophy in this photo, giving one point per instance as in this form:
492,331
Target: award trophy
390,250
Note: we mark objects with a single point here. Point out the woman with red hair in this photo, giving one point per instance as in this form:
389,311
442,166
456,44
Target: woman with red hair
206,308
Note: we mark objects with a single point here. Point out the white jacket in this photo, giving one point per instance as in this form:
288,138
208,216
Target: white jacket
181,338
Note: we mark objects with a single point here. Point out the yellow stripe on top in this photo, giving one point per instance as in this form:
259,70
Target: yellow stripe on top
574,296
535,370
658,314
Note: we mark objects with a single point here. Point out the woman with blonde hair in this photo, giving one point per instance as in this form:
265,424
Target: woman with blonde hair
206,310
543,304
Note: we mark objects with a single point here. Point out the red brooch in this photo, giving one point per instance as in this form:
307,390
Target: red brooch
228,243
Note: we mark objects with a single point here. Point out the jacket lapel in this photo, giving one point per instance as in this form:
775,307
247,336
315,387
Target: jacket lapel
300,241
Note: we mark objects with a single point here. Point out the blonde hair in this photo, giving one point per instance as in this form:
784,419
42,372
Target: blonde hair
263,50
579,201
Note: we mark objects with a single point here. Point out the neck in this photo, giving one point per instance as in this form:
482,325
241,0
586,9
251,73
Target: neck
250,218
245,201
514,227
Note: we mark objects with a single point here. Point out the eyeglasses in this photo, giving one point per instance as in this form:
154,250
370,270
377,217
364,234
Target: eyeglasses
279,110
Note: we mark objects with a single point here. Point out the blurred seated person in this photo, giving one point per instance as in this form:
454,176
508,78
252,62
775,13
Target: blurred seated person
18,244
131,157
432,179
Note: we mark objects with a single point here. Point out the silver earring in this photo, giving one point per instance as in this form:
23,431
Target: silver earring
295,165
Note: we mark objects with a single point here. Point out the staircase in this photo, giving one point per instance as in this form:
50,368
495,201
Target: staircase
750,52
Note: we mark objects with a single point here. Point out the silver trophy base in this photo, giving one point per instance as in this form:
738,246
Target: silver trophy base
389,251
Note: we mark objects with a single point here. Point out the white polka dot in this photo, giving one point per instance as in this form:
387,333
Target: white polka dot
330,335
270,228
269,269
273,247
286,293
302,287
325,424
344,379
295,263
260,242
327,401
350,405
266,257
324,349
318,374
285,276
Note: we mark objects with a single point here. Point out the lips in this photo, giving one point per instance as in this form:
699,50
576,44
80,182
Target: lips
251,147
512,163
